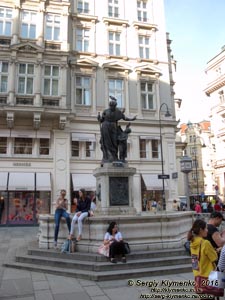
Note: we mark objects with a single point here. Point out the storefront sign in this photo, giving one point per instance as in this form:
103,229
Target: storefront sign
22,164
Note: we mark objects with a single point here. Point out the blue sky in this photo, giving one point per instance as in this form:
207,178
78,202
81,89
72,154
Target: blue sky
197,31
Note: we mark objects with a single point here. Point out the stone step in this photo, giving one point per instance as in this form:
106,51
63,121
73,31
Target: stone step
95,257
97,266
103,275
93,266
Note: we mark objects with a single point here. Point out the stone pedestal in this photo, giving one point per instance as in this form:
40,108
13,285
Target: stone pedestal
114,189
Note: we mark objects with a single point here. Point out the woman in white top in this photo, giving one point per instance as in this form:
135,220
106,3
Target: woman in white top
114,239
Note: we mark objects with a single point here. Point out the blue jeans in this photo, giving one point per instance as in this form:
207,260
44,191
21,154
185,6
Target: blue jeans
59,213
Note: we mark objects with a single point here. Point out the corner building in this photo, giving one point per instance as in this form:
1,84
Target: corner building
59,62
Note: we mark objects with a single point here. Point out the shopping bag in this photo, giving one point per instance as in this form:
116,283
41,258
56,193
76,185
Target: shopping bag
217,279
202,287
104,250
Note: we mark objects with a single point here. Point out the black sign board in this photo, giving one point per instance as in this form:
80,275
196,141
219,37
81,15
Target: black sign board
163,176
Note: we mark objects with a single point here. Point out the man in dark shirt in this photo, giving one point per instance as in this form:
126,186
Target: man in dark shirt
216,238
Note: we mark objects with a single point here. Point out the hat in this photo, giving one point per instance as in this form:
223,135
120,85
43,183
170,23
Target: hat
217,214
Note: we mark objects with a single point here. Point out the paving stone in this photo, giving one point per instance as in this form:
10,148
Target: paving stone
16,287
73,296
43,295
93,291
40,285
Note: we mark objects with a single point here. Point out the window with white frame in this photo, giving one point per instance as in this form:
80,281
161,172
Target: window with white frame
82,39
155,148
194,175
144,48
25,79
4,69
3,145
23,146
194,163
142,11
83,90
75,149
143,145
51,80
193,151
116,89
149,148
113,8
147,95
28,24
52,27
114,43
44,146
83,6
6,15
89,149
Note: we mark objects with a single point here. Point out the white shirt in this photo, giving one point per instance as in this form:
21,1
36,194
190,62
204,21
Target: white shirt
108,236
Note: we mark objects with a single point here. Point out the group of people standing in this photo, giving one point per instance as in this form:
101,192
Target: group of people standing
207,206
207,245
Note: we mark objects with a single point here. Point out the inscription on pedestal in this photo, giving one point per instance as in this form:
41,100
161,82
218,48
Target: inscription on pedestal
118,191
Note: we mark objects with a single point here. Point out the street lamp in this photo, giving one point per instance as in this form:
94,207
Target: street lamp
186,167
167,114
196,165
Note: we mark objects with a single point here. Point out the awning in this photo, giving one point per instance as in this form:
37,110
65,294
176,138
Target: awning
83,137
23,133
43,182
21,181
41,134
86,181
3,181
4,133
153,183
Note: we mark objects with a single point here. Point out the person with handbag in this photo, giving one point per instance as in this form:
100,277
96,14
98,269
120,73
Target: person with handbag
203,257
114,240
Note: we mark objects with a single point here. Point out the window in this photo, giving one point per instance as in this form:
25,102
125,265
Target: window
142,11
113,8
221,96
194,164
82,39
52,27
5,21
143,148
194,175
147,95
83,6
144,46
51,80
155,148
193,151
44,147
83,90
4,76
149,148
25,79
90,149
114,43
3,145
75,149
28,25
116,90
23,146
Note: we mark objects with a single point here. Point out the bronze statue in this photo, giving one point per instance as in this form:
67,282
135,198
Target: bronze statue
111,133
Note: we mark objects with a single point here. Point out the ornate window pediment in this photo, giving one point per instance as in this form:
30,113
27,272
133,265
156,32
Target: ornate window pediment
27,47
146,69
117,65
86,62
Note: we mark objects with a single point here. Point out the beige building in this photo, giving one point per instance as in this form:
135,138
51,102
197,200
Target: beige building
59,62
215,89
199,147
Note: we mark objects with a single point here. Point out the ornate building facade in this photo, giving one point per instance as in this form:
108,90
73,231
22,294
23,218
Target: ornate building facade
59,62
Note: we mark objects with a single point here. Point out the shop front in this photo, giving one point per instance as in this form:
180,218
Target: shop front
25,196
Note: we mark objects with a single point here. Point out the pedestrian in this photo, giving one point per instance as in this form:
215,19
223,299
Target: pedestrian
203,255
216,238
198,208
83,207
114,239
61,211
204,206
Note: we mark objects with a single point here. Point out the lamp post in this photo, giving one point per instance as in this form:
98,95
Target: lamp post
196,165
186,167
167,114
